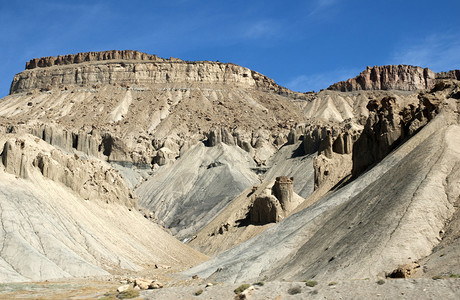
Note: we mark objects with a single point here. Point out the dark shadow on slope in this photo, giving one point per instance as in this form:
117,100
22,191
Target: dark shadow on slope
299,151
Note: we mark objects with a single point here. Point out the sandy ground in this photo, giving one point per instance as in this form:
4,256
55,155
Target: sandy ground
105,288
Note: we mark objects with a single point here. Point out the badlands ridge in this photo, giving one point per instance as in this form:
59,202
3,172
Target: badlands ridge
117,161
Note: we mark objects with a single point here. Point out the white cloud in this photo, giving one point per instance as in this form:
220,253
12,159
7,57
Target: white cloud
440,52
319,81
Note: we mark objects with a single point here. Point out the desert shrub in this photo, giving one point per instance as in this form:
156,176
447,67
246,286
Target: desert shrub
199,292
241,288
109,296
311,283
260,283
128,294
454,275
294,290
332,283
436,277
380,282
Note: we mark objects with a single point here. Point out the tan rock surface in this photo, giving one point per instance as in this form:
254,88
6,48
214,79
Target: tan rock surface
204,133
50,231
367,228
390,77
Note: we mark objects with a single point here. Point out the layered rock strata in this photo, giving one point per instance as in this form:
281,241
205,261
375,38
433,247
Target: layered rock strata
147,110
91,56
91,179
132,68
390,77
452,74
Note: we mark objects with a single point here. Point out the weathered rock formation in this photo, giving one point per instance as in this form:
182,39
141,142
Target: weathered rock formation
92,56
452,74
65,215
260,143
91,179
147,110
265,209
132,68
327,139
13,158
89,141
205,132
275,204
390,77
388,217
283,190
333,144
387,127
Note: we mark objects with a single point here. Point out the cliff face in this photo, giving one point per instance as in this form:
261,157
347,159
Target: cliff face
452,74
91,179
132,68
124,105
90,56
391,77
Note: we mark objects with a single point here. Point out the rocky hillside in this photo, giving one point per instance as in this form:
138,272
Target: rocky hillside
135,104
68,216
385,223
277,184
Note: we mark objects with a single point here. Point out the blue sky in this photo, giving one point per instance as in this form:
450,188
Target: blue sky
303,45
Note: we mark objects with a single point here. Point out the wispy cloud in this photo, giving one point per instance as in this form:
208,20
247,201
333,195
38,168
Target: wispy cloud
319,81
321,7
261,29
440,52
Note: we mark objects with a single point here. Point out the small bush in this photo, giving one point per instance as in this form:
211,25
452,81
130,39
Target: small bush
295,290
311,283
128,294
454,275
436,277
332,283
199,292
241,288
380,282
260,283
109,296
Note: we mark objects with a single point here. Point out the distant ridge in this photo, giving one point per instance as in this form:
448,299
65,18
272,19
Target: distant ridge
389,77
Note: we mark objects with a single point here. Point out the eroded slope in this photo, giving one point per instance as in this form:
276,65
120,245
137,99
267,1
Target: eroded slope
390,216
50,231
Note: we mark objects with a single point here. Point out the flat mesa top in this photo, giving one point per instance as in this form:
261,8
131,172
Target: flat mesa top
95,56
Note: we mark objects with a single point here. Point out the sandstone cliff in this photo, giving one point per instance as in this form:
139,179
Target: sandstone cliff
453,74
91,56
391,77
132,107
132,68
